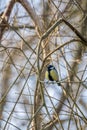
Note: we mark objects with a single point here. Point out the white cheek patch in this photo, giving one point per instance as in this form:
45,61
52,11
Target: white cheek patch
52,68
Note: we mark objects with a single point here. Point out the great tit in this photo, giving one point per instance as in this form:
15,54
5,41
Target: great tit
52,74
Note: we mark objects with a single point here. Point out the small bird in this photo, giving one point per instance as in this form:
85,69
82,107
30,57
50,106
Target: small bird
52,74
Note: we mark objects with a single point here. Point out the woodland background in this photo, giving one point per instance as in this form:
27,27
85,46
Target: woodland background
33,34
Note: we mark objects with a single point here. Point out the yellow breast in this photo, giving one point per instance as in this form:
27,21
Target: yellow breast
54,75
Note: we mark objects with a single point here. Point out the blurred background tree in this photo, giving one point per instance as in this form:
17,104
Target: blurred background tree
33,34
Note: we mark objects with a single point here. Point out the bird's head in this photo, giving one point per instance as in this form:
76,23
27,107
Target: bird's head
50,67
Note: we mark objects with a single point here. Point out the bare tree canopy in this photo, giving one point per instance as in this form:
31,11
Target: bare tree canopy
33,35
